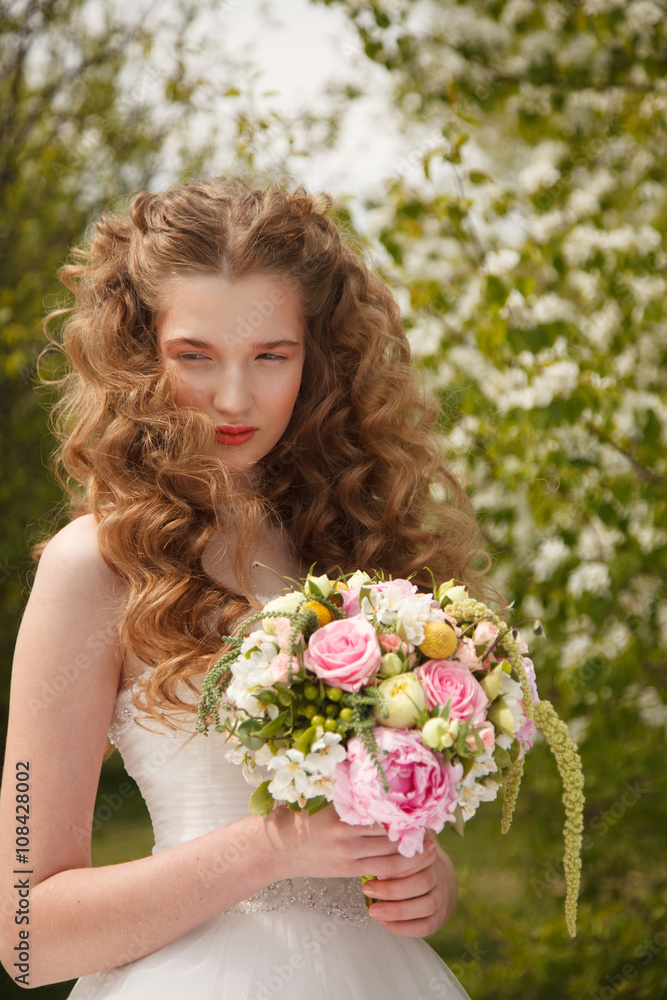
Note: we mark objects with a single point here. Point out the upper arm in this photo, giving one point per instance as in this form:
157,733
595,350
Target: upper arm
64,680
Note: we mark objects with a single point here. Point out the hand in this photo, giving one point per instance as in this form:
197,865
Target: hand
323,846
420,903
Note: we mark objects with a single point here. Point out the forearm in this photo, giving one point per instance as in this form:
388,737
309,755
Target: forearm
90,919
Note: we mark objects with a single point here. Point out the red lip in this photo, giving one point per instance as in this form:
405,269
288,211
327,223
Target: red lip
234,433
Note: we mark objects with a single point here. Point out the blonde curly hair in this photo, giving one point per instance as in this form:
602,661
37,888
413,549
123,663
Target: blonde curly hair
357,480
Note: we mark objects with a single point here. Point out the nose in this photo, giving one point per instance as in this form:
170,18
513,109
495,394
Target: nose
233,393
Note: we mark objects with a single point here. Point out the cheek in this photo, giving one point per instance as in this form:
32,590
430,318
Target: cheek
285,399
183,392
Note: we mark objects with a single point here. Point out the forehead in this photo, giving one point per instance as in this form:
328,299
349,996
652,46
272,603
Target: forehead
216,305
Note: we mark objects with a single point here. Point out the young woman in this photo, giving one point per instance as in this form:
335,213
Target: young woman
239,405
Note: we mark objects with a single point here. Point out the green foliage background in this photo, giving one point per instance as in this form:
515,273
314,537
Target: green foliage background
524,237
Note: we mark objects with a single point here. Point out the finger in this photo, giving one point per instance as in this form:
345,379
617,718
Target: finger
396,866
418,884
421,928
409,866
419,908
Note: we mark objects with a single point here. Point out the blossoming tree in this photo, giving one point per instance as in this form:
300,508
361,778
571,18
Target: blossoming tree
525,235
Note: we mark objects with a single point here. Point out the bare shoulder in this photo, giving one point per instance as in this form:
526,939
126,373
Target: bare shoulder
74,555
65,676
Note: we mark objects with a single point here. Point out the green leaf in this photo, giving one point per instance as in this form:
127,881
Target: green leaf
261,801
274,727
319,802
459,824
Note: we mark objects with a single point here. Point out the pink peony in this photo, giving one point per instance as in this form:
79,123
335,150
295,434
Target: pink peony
422,796
529,667
444,680
528,730
345,653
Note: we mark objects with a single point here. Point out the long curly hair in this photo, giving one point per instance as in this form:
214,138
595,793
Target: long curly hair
356,481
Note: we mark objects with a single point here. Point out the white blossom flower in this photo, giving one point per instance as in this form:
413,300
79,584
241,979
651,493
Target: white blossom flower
652,709
412,616
541,171
426,335
575,650
476,787
499,262
246,758
290,781
551,554
598,541
578,728
589,577
600,327
251,671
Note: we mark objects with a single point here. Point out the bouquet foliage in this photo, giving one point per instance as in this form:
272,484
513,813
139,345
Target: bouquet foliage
397,706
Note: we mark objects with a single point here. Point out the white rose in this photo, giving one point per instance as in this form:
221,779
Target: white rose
405,700
323,584
286,602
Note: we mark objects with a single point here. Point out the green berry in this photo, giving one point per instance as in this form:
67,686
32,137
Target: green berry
311,691
335,694
346,714
309,711
317,720
331,725
331,710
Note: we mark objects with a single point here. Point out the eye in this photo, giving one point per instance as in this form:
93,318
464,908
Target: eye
272,357
190,357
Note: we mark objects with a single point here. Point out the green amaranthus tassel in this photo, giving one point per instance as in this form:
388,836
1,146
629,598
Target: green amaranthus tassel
512,785
569,765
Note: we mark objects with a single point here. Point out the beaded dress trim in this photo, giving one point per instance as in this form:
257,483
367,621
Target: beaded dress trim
338,897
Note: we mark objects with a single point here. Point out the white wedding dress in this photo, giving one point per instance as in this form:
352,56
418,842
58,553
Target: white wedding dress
299,939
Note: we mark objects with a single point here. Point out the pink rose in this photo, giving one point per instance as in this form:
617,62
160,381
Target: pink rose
466,655
350,602
391,643
422,788
279,668
486,733
283,627
444,680
345,653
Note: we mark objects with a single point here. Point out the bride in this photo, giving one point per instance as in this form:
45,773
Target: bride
239,405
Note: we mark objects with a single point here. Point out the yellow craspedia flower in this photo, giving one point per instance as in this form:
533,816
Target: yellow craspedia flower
323,614
439,641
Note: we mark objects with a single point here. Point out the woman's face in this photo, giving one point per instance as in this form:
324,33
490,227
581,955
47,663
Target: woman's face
236,352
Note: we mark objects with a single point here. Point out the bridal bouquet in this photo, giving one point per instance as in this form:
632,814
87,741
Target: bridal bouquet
397,706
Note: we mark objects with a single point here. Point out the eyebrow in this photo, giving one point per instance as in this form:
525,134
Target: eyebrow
265,345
